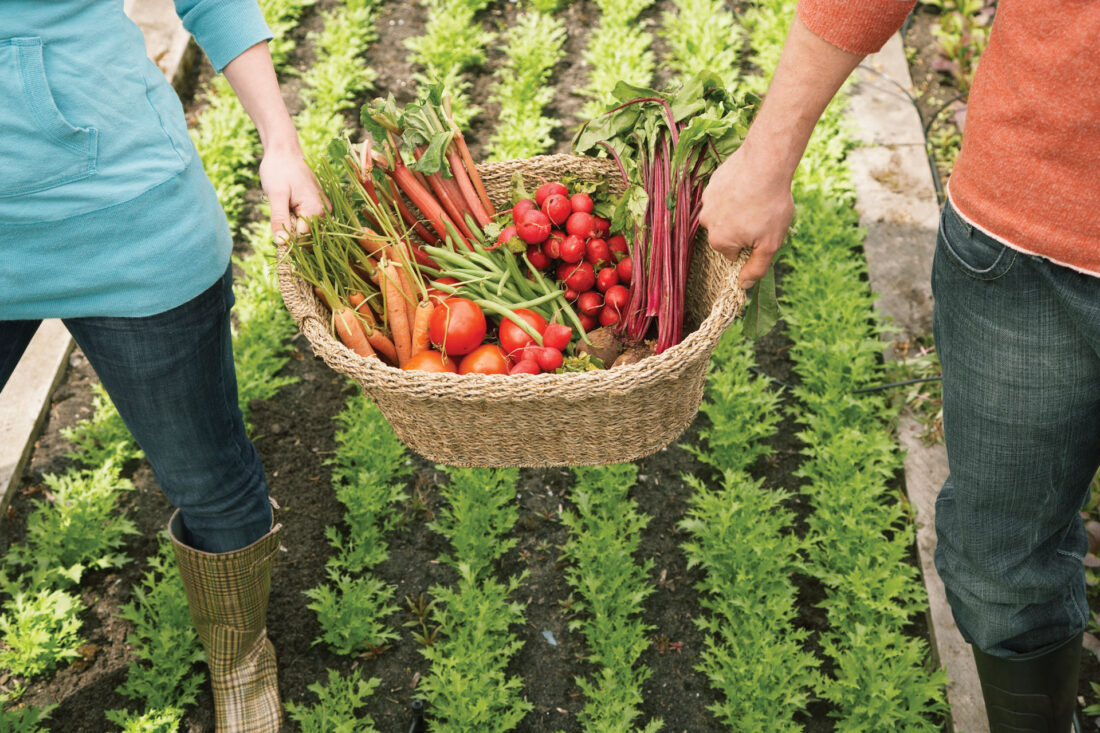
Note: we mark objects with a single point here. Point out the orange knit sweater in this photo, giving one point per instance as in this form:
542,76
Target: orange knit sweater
1028,173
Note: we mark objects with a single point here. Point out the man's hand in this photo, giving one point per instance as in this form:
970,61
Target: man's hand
746,204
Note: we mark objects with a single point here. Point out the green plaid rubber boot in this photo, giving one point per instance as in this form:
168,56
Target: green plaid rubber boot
227,593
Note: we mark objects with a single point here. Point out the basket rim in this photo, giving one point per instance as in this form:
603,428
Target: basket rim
669,363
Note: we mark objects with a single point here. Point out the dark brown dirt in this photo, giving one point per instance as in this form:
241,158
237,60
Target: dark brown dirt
294,433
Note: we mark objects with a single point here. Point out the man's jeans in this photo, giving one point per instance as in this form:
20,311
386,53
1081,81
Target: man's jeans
172,379
1019,341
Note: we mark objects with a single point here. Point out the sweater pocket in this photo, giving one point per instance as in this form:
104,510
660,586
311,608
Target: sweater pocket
39,147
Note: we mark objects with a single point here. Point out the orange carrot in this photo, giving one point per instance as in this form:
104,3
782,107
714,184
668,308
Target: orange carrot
382,345
351,332
407,291
397,315
420,340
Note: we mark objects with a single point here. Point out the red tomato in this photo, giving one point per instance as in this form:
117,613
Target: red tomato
557,336
557,208
514,338
548,189
485,359
457,326
431,361
581,202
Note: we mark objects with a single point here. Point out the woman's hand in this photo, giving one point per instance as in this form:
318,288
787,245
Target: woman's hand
747,204
292,190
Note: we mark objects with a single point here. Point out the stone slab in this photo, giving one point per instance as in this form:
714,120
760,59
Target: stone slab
897,206
25,399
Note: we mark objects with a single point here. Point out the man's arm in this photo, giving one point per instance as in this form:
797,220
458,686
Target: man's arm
748,201
287,181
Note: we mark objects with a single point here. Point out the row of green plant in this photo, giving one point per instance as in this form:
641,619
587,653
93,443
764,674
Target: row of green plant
605,532
703,36
532,47
467,685
619,49
859,539
452,43
742,538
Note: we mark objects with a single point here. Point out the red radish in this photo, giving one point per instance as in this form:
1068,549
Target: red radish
587,322
605,278
530,352
625,268
582,278
602,226
581,202
557,336
557,208
609,317
571,294
597,252
526,366
618,246
521,208
572,249
552,246
548,189
549,359
539,259
581,224
506,235
590,303
534,227
616,298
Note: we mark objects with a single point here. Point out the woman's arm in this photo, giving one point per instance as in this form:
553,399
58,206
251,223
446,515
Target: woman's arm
287,181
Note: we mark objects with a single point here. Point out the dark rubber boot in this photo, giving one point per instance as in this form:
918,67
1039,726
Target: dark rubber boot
1031,693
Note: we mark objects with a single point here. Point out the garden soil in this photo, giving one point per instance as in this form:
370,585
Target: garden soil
294,433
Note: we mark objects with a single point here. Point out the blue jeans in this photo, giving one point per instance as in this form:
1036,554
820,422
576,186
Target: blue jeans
1019,341
171,376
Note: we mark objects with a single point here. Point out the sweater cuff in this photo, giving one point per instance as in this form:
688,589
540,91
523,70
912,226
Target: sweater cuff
224,28
858,26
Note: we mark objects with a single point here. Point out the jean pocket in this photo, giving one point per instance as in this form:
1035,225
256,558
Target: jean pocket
973,252
45,149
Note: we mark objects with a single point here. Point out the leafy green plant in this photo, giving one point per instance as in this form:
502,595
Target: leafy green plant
156,720
78,527
351,612
163,641
962,33
103,438
703,37
336,704
618,50
24,720
480,510
605,532
533,45
40,630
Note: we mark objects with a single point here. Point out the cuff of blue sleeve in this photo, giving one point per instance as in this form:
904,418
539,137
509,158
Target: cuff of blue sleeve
226,28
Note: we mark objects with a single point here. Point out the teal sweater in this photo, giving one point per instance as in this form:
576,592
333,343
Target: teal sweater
104,206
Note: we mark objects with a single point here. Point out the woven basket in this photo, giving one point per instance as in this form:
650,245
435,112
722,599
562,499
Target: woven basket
580,418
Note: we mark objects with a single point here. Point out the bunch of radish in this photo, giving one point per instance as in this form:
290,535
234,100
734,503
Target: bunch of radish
564,235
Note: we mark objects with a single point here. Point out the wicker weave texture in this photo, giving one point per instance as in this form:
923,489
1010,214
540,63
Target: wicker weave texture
582,418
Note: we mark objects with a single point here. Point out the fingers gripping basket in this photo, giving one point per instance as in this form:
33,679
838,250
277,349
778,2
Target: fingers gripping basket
580,418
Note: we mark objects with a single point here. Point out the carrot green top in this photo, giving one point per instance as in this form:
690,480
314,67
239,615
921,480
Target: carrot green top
104,208
1028,169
